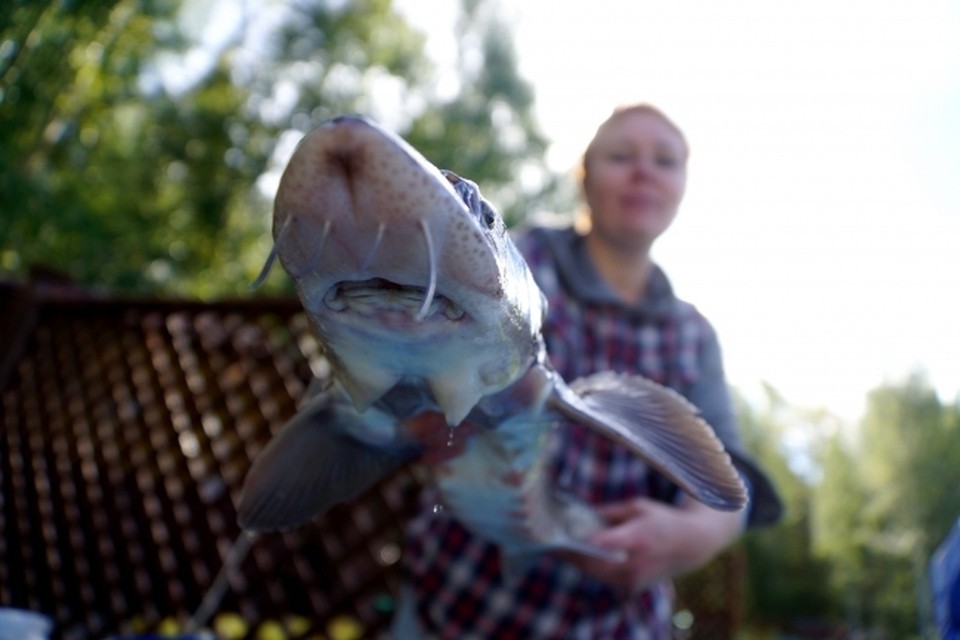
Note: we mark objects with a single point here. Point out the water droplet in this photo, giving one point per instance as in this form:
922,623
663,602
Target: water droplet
450,433
438,508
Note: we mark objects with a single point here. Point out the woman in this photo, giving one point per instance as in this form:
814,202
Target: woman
610,308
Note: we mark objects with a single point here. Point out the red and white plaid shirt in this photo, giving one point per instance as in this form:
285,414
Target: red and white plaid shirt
455,588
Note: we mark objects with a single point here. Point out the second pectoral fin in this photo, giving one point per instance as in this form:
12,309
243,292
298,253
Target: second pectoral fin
661,427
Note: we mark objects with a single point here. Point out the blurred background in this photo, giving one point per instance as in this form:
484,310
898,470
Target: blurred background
141,142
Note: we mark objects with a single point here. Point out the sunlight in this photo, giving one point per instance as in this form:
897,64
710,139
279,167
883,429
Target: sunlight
817,230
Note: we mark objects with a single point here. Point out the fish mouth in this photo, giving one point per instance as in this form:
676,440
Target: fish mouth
378,298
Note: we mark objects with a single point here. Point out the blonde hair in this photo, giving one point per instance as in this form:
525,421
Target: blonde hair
629,109
582,219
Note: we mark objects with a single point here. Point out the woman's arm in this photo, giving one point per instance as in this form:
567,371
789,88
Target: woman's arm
660,539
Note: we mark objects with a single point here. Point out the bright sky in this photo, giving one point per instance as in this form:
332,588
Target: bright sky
821,228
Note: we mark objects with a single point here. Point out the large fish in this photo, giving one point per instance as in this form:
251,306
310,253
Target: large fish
422,302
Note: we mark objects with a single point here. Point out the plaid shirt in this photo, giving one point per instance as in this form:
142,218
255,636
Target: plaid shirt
455,588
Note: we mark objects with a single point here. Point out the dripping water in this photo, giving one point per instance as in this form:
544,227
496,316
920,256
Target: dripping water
451,442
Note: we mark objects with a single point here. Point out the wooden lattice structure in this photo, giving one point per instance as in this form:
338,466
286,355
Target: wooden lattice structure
126,429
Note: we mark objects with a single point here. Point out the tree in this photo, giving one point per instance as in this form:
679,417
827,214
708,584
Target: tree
839,528
124,164
888,496
102,178
785,580
495,140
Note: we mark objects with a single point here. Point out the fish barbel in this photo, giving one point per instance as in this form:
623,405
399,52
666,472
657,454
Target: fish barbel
423,303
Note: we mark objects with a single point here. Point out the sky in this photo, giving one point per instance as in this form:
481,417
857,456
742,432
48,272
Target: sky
820,232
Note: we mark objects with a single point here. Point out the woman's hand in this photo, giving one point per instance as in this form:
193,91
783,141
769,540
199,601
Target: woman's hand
660,540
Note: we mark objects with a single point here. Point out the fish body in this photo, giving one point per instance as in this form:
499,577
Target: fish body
423,303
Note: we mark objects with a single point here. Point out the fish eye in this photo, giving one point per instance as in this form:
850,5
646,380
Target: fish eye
487,215
469,192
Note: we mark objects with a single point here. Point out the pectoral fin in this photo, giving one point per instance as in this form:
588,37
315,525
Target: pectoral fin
661,427
328,453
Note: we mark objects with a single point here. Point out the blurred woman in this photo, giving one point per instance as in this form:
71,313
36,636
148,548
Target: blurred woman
610,308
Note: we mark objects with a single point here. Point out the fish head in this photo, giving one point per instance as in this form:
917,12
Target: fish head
406,272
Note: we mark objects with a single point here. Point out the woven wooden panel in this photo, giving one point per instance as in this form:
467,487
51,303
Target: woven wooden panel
126,429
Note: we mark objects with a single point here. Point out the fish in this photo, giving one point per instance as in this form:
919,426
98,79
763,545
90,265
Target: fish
422,302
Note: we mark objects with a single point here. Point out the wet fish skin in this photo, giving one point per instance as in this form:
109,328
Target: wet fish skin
423,303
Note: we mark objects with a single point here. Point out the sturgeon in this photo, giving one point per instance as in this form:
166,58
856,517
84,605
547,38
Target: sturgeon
422,302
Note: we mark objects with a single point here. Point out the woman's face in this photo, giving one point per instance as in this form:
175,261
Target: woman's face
635,172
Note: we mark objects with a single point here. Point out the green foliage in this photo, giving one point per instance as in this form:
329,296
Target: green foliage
125,167
911,445
497,141
887,497
100,179
785,580
863,520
